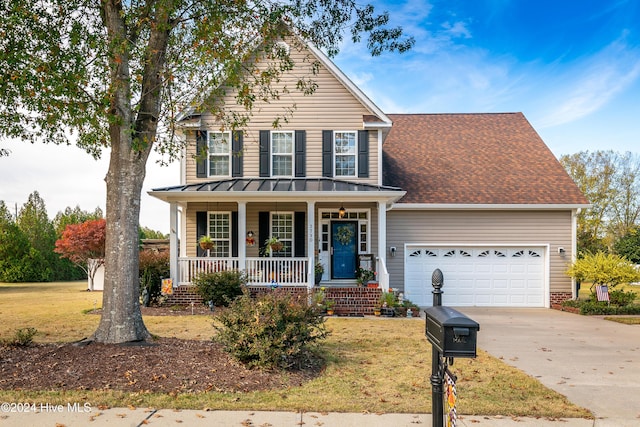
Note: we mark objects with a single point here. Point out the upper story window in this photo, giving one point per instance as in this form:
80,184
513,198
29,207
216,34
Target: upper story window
219,153
345,151
281,153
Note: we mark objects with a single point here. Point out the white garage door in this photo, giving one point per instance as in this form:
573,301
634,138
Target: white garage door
477,276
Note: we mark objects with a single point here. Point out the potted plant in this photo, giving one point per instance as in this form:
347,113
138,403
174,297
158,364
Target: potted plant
206,243
329,304
377,310
318,300
364,275
273,244
318,271
388,301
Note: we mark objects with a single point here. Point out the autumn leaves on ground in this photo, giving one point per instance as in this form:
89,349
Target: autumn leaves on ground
368,364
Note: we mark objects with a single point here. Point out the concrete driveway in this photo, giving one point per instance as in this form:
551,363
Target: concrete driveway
592,361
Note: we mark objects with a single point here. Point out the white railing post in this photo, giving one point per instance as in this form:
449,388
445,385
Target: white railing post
383,274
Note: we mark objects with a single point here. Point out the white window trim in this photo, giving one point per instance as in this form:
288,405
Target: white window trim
210,153
292,154
230,239
355,154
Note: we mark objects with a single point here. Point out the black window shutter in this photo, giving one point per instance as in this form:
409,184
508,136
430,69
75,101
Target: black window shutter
299,234
264,153
234,234
301,152
201,230
263,230
236,153
201,154
327,153
363,154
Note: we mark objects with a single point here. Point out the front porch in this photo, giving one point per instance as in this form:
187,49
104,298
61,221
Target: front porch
319,221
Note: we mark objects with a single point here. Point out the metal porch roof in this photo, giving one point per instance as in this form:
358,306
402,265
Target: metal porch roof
282,187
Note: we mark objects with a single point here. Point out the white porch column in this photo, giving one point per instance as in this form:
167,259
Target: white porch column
382,231
242,233
311,227
173,243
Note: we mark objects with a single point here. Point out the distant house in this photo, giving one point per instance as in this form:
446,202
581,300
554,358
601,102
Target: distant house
478,196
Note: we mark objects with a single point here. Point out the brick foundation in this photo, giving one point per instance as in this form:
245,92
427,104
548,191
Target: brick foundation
298,291
183,295
352,301
559,297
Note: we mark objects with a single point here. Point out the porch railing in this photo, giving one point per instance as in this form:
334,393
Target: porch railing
260,271
189,268
383,275
281,271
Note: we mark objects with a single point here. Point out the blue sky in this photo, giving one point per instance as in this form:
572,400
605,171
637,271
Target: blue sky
572,67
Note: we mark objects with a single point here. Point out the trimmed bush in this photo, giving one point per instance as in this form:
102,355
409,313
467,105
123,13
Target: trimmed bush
621,298
220,287
593,307
273,331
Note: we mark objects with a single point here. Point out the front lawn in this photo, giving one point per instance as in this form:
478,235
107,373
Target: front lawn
373,364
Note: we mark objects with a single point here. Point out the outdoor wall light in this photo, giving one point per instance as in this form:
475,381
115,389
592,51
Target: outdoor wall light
341,212
392,250
561,251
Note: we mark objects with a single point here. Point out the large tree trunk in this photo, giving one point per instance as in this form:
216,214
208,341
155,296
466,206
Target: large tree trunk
121,319
132,136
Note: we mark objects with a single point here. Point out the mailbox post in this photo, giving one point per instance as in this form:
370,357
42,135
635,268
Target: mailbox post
451,334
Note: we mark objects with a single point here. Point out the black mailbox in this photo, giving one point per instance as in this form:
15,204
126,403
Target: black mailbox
451,332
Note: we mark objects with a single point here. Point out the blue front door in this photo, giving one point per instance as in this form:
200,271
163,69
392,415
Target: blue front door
343,240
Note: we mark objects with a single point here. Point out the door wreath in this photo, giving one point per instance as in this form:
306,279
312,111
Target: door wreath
344,234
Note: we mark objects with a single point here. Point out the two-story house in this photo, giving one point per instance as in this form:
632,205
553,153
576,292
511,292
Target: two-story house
479,196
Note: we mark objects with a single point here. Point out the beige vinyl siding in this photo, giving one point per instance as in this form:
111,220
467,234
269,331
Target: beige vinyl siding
551,228
331,107
252,220
253,210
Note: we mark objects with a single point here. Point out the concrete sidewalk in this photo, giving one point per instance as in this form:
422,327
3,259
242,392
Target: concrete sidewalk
124,417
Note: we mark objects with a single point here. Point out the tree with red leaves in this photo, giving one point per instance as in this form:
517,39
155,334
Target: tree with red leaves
84,245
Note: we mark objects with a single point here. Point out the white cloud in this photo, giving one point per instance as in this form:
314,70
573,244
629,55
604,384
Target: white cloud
590,84
457,29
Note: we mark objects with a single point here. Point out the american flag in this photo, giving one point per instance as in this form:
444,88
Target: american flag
602,292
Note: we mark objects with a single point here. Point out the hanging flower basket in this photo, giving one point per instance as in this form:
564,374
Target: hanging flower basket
206,243
272,244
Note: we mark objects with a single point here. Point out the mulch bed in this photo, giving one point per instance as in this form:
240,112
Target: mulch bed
168,365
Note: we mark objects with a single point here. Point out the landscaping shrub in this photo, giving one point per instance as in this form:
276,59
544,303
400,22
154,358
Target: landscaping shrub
592,307
274,330
220,287
154,266
621,298
21,338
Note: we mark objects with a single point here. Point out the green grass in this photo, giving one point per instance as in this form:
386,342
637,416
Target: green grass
375,365
625,320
